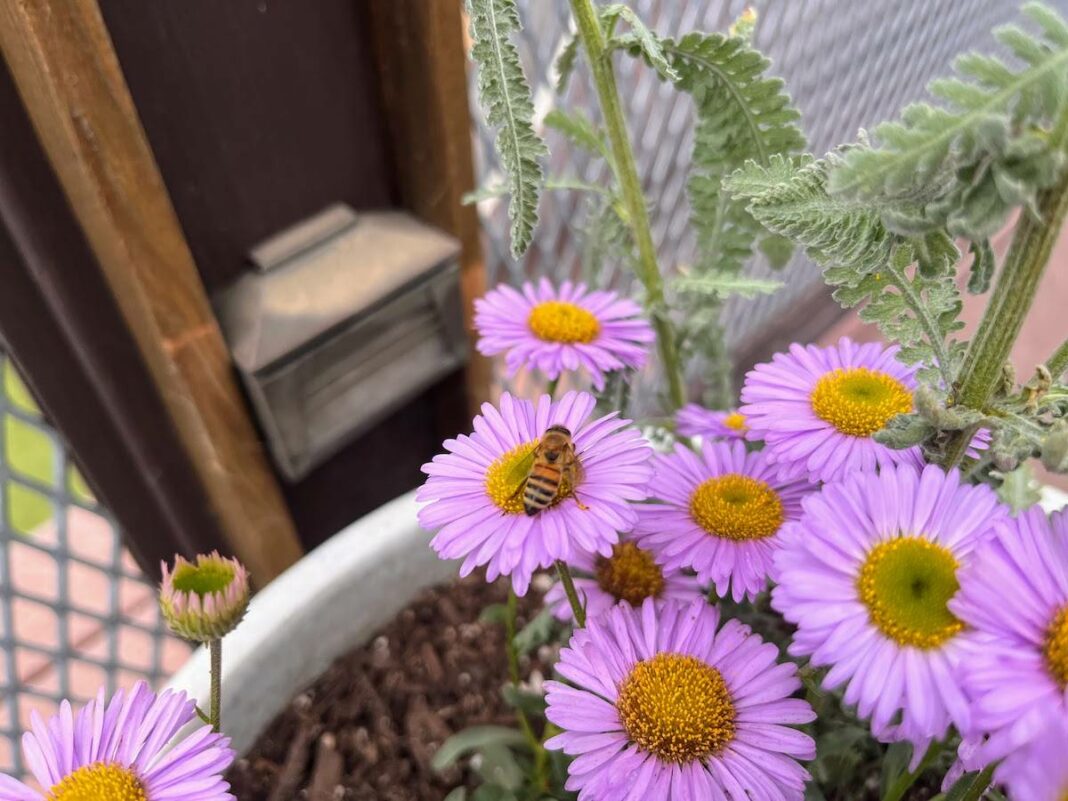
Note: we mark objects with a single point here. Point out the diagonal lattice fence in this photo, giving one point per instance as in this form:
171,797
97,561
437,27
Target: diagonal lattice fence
848,65
76,614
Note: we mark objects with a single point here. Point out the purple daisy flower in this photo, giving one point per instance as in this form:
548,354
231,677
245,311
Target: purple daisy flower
474,492
566,329
697,421
119,751
817,408
720,513
1015,595
630,574
665,707
1040,771
866,575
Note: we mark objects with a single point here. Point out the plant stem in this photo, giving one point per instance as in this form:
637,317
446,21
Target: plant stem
897,790
593,40
1010,301
577,609
541,758
215,712
1058,362
551,389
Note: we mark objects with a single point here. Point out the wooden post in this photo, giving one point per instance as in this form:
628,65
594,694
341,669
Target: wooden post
69,79
419,47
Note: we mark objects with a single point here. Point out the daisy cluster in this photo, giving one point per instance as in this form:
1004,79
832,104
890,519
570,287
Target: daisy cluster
913,594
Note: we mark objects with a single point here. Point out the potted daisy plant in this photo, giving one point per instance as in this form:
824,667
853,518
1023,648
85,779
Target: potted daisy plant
836,582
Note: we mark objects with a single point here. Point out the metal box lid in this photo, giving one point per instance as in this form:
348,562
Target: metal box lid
362,260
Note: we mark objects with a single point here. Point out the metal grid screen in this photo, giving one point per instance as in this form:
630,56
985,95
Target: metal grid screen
847,65
76,614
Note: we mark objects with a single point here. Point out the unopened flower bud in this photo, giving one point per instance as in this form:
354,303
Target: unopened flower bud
206,599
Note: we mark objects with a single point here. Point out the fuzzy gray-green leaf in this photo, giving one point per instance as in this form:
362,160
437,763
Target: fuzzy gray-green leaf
981,113
505,96
639,39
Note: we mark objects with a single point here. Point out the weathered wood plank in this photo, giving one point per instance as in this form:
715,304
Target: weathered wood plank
68,76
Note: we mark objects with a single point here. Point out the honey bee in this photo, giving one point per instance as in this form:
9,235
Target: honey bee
549,470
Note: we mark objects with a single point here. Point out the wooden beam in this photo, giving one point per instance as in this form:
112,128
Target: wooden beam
69,79
419,47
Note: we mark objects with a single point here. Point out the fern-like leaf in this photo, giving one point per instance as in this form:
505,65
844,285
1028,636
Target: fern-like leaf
866,262
505,96
565,63
579,130
742,114
721,285
976,148
639,39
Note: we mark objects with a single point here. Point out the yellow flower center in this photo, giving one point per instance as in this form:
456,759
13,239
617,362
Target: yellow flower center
1056,650
558,321
677,708
736,507
859,401
906,583
735,421
99,782
506,478
630,574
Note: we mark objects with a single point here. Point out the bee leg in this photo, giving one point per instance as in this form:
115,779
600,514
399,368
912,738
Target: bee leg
581,505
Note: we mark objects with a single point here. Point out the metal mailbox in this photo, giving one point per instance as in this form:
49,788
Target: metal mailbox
344,318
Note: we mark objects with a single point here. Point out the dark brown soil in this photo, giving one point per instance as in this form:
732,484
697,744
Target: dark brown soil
368,728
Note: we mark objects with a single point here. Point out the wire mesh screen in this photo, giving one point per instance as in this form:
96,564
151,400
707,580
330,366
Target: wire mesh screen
847,65
76,614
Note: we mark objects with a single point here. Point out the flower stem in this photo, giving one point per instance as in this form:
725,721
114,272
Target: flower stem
215,712
897,790
1010,301
541,757
593,40
551,389
563,572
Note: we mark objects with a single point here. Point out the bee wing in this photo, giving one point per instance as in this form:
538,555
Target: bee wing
521,469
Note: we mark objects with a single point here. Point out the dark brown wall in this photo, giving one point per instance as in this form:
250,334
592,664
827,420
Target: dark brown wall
260,113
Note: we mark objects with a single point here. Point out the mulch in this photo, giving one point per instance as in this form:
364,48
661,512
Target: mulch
369,727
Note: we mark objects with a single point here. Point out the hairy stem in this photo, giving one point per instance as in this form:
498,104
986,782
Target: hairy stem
897,790
1010,301
604,78
215,712
1058,362
577,609
541,758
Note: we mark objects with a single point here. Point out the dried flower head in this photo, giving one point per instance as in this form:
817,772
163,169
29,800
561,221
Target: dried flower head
206,599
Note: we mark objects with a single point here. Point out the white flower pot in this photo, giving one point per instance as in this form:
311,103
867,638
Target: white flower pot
325,605
328,603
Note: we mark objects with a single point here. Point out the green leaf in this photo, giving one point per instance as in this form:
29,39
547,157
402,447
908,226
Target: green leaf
579,130
725,285
494,613
639,40
498,767
475,738
493,792
565,63
984,263
868,265
530,702
935,151
536,633
742,114
458,794
1018,487
505,96
777,249
895,763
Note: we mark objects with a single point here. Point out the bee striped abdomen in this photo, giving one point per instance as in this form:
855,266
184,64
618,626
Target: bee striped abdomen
542,487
